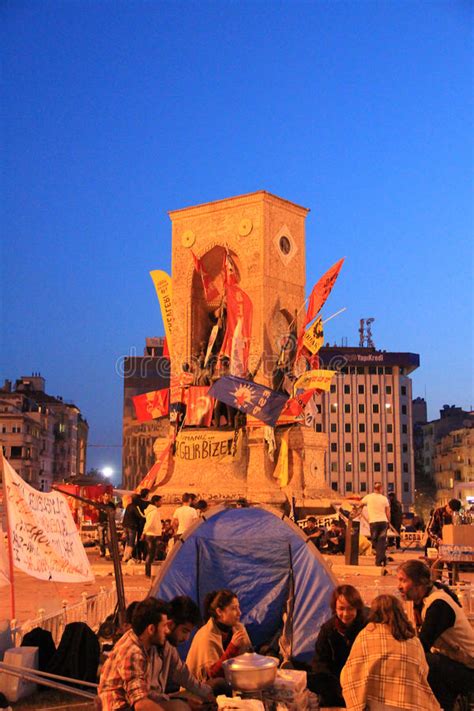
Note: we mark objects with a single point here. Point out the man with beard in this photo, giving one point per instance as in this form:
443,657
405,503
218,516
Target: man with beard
169,672
444,630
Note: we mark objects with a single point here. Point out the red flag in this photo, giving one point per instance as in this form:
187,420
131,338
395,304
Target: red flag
166,350
151,405
321,291
296,405
211,291
236,344
199,406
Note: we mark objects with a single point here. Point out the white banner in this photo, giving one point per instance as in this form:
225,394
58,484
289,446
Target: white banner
45,540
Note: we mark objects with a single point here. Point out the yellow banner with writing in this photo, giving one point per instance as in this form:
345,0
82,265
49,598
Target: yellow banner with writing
314,338
162,282
205,446
315,379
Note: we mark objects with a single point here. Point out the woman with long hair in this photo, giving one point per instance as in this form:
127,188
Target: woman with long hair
334,642
386,669
222,637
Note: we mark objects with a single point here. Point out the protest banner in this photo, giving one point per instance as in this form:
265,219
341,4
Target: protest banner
205,446
162,282
45,542
313,338
315,379
4,569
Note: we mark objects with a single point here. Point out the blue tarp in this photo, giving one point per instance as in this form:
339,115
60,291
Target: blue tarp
253,551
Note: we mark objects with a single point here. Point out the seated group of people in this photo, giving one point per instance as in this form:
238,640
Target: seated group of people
365,660
144,671
327,540
378,660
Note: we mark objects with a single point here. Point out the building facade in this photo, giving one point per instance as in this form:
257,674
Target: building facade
453,466
450,418
43,437
367,416
142,374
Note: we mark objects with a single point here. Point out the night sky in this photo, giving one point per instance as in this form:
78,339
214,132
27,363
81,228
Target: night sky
114,113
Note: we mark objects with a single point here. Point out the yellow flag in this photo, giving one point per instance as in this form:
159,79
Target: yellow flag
315,379
314,338
281,469
162,282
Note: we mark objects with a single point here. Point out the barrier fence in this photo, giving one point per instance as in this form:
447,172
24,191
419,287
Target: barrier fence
93,609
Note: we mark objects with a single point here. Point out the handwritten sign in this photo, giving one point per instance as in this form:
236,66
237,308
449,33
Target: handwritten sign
205,446
45,540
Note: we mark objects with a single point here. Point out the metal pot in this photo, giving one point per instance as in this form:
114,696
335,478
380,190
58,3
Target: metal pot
250,672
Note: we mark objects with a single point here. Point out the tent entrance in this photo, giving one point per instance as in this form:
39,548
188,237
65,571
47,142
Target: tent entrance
259,572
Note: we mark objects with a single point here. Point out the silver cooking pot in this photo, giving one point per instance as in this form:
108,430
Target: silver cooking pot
250,672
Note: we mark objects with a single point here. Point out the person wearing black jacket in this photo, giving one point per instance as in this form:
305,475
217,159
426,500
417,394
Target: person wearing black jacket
103,526
334,643
396,516
132,525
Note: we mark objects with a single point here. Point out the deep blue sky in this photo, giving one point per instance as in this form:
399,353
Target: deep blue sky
114,113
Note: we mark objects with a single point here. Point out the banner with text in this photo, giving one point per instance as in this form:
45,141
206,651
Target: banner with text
315,379
44,538
4,567
313,338
205,446
162,282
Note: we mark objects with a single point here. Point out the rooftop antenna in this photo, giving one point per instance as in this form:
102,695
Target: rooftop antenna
362,333
368,323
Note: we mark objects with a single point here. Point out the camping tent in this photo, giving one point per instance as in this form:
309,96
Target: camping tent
266,560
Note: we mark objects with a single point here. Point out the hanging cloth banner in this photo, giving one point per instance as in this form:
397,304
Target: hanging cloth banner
44,538
199,406
211,291
162,282
150,406
249,397
313,338
205,446
281,472
152,478
238,332
315,379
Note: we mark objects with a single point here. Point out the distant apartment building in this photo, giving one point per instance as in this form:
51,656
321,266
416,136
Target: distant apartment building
451,418
367,416
454,466
142,374
43,437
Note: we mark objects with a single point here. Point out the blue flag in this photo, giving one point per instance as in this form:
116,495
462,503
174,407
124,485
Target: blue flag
253,399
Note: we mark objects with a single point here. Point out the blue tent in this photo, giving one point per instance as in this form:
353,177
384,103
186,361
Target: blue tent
266,560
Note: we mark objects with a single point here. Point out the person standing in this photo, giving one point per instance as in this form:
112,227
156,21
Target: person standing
103,526
184,516
132,522
440,517
444,630
152,531
378,508
396,516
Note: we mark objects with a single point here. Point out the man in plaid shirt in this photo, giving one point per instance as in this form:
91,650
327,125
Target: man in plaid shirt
125,681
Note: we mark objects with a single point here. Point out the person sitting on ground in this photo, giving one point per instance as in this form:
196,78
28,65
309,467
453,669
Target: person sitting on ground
184,516
222,637
125,681
334,643
169,672
386,668
334,539
313,531
444,630
152,531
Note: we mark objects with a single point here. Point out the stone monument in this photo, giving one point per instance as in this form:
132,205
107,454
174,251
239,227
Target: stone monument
265,236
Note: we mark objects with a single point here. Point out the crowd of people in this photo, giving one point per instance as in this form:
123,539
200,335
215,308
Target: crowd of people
365,659
146,536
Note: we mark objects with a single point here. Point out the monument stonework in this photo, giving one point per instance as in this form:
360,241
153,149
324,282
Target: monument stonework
265,236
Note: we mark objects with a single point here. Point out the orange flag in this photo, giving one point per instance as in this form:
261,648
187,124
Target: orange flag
321,291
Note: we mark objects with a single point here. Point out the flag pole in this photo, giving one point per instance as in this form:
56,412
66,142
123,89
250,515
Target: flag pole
9,539
336,314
